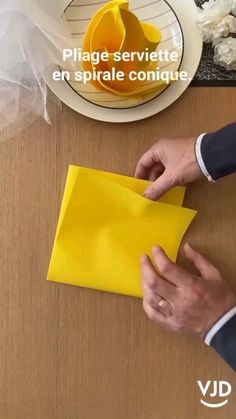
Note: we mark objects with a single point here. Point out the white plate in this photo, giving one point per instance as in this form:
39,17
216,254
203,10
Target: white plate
158,13
185,10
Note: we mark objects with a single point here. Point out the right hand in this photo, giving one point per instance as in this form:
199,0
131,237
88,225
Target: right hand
182,301
168,163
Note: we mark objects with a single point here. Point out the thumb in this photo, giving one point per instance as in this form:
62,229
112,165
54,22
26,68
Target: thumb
206,268
158,188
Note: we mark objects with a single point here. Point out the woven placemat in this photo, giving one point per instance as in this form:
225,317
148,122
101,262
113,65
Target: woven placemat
210,74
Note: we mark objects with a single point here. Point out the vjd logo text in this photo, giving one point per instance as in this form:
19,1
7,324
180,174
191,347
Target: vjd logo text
215,389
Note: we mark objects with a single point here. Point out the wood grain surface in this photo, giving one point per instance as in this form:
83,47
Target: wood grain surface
71,353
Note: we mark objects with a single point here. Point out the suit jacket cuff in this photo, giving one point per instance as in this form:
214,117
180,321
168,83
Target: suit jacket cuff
219,325
218,152
224,342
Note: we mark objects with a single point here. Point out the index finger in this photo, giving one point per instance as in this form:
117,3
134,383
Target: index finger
154,283
170,270
146,163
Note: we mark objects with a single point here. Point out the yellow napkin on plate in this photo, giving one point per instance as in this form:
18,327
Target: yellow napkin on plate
115,29
104,227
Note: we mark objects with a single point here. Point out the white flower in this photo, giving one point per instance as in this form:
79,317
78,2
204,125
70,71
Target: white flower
214,19
233,8
225,53
213,11
226,26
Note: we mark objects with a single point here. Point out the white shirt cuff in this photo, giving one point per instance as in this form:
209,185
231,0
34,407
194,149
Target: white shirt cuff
200,159
219,324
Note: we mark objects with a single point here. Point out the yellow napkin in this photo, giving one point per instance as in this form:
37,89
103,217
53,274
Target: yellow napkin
115,29
104,227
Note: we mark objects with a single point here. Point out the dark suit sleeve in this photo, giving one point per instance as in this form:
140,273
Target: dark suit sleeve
218,152
224,342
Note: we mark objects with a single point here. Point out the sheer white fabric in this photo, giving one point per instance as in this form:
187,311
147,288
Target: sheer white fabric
32,36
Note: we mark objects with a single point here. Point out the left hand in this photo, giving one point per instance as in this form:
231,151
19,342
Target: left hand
182,301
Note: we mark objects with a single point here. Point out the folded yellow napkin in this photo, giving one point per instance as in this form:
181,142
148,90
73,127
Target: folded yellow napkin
116,29
104,227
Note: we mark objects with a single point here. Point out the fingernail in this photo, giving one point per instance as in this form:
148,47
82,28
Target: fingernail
156,248
150,194
143,258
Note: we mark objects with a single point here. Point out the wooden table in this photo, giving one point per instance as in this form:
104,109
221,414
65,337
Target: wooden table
71,353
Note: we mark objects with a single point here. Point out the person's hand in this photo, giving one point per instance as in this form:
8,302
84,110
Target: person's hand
169,163
180,300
